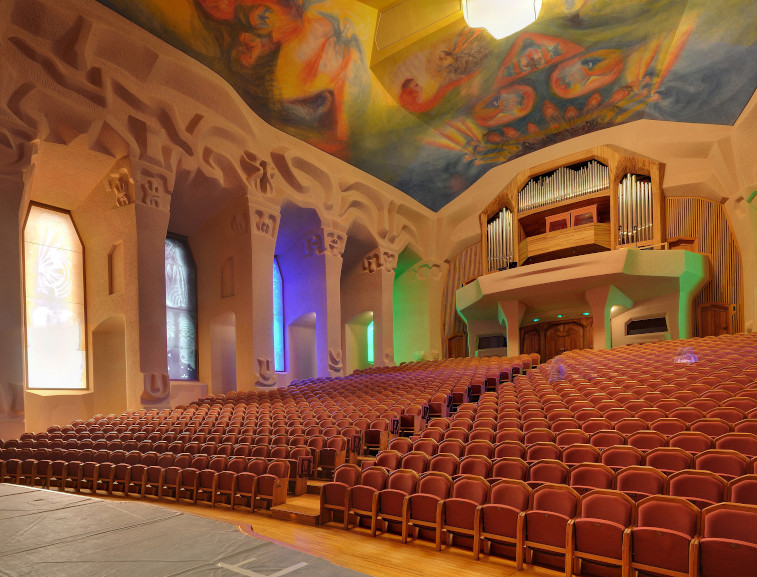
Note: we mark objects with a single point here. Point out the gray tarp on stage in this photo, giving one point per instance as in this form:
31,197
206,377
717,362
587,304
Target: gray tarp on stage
47,533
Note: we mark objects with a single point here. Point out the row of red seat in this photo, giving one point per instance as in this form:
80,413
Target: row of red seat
556,469
180,477
661,534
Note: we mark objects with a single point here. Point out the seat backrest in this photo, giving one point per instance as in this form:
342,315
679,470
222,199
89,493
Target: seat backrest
555,498
571,437
509,449
723,462
647,440
672,513
509,468
401,444
580,453
471,487
218,463
337,442
730,521
374,477
606,438
631,425
278,468
182,460
347,474
697,484
691,441
548,471
200,462
744,443
622,456
389,459
485,448
257,466
608,505
452,446
236,465
591,475
436,484
669,459
444,462
743,489
543,450
435,433
510,492
405,480
415,461
475,465
426,445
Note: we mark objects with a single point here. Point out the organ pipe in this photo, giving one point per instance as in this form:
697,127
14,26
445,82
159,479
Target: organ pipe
635,210
564,184
500,240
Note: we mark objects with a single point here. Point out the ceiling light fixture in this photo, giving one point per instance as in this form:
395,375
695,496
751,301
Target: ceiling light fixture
501,17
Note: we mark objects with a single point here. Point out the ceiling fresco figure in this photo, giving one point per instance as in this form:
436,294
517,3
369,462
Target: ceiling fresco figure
440,112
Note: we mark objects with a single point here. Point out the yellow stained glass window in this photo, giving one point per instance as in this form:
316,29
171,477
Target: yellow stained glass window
54,284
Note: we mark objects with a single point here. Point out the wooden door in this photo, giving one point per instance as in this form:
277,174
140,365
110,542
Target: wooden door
456,345
530,341
563,337
715,319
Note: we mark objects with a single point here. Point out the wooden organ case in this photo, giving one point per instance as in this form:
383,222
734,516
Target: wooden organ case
600,199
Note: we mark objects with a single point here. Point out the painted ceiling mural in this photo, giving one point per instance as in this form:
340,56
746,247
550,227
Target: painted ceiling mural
433,118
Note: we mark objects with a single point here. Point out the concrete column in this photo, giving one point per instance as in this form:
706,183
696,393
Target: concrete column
12,352
257,343
324,247
151,213
380,265
510,313
601,300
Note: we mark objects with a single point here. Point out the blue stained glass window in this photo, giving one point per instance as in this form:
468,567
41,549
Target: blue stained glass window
279,350
369,339
181,311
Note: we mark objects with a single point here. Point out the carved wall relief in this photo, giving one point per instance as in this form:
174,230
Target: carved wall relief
239,223
325,241
121,185
154,189
380,259
157,388
427,270
259,173
336,365
266,376
266,222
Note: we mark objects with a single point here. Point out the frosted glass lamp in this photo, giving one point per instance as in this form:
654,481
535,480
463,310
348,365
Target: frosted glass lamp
501,17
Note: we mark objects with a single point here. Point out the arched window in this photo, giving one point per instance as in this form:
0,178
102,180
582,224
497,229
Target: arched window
369,340
56,354
279,346
181,311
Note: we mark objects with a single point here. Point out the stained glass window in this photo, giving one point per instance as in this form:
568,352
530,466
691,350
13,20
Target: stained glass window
279,348
181,311
54,282
369,339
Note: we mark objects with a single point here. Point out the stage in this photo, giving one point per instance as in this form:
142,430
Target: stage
48,533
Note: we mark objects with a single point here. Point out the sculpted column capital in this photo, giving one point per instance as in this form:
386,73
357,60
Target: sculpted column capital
325,241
